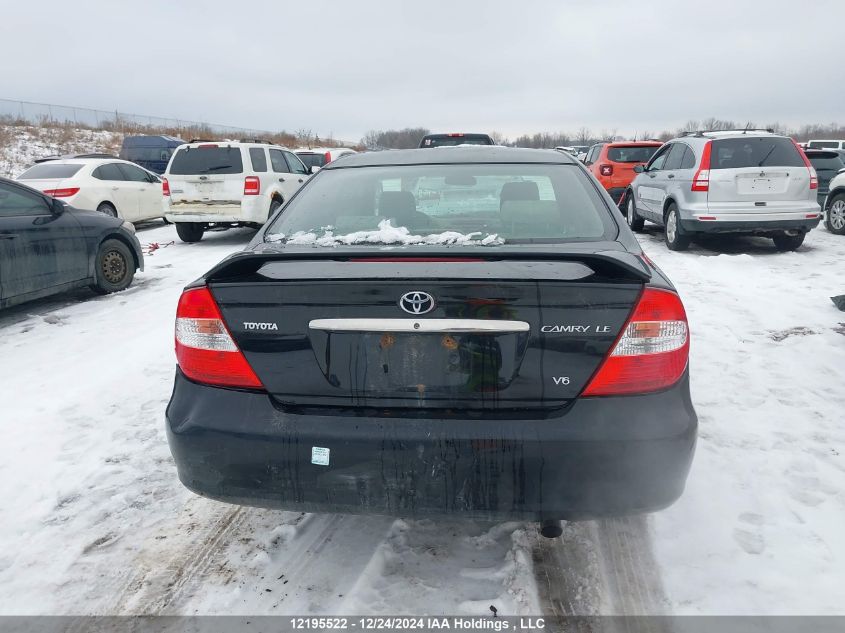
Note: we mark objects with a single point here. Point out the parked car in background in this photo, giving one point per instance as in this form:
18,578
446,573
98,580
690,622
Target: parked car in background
542,348
320,156
108,185
229,184
574,150
826,144
47,247
749,182
834,205
827,163
45,159
613,163
455,138
150,152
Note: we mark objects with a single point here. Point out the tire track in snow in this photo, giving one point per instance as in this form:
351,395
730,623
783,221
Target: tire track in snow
601,567
226,559
164,567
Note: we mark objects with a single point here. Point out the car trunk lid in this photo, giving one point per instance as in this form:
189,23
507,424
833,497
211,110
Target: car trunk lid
501,333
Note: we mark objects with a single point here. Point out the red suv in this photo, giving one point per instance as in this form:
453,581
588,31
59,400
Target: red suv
613,163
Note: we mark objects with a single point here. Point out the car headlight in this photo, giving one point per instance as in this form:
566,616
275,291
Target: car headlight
128,226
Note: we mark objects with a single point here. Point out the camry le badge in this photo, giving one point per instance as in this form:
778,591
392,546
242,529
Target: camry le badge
416,302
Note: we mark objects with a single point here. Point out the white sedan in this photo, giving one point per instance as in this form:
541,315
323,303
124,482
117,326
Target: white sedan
109,185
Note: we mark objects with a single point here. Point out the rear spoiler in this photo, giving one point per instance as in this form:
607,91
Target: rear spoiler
618,264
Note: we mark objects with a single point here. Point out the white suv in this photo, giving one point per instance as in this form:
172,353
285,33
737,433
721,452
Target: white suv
228,183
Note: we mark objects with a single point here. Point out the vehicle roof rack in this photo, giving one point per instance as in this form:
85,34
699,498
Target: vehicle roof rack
743,131
203,140
95,155
255,140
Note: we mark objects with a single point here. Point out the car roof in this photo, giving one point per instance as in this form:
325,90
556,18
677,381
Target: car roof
726,134
820,152
450,155
91,161
321,150
195,144
634,144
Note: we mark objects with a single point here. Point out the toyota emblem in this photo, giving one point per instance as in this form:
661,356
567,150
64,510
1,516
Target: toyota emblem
416,302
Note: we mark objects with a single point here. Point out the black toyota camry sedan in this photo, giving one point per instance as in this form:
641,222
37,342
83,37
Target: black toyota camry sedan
47,247
470,331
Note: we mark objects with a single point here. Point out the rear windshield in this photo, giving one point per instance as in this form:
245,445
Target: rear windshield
442,140
641,154
445,204
207,160
827,162
49,170
824,144
754,151
312,160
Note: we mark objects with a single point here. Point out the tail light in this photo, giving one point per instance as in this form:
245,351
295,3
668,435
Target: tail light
814,177
252,186
328,157
606,170
701,181
165,187
62,193
205,350
652,351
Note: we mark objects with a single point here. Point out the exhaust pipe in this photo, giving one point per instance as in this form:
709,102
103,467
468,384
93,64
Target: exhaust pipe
550,528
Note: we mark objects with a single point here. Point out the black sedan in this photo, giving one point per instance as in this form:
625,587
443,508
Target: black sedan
48,247
468,331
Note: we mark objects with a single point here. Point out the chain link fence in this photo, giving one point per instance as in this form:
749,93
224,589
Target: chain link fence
52,114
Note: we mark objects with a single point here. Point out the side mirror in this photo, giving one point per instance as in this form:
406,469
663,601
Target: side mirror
638,169
841,171
57,207
314,169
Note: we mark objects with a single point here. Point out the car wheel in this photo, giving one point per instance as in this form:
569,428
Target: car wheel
675,240
275,204
788,242
190,231
108,209
835,216
115,267
634,221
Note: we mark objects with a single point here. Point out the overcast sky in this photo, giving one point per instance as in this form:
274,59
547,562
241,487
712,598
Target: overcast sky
349,66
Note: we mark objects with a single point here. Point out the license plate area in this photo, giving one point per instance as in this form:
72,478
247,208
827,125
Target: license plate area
411,365
762,184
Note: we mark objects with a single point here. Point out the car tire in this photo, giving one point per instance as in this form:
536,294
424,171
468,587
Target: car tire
275,204
834,219
635,222
114,267
107,208
675,240
190,231
788,242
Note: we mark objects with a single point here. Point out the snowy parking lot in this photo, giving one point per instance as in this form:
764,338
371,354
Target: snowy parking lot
93,519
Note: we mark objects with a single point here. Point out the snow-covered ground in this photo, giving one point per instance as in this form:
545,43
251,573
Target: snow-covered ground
94,520
20,145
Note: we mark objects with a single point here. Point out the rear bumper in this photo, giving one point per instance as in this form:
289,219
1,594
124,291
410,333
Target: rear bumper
603,457
248,210
750,227
616,193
